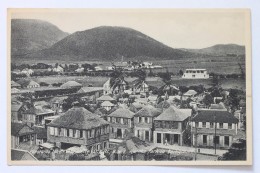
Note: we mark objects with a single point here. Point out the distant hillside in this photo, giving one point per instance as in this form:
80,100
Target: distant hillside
220,49
108,43
30,35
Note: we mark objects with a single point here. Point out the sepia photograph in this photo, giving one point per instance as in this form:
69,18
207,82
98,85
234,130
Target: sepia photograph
129,87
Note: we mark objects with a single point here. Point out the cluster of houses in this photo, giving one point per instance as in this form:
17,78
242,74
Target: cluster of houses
115,121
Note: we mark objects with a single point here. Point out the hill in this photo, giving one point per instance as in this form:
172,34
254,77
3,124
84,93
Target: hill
108,43
30,35
220,50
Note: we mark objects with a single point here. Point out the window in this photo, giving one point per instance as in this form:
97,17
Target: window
74,133
117,120
51,130
221,125
217,140
159,138
229,125
59,130
211,125
68,132
71,133
81,133
204,139
146,119
204,124
175,125
125,120
140,119
196,124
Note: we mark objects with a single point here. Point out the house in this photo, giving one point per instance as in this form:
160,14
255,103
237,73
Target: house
195,74
36,114
170,126
107,105
121,123
58,69
22,134
98,68
15,91
16,111
209,124
216,95
190,93
108,89
219,106
71,84
141,89
56,104
28,83
143,122
90,93
27,72
79,127
80,70
105,98
41,133
22,155
15,84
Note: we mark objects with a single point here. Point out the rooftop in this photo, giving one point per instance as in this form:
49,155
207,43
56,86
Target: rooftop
17,154
70,84
122,113
148,111
78,118
190,93
105,98
107,103
90,89
174,114
210,115
20,129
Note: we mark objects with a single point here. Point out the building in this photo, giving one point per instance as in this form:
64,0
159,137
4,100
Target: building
15,84
107,105
143,122
28,83
36,114
71,84
27,72
79,127
195,74
41,133
190,93
56,104
16,111
105,98
143,88
170,125
109,90
90,94
209,124
122,122
58,69
22,155
22,134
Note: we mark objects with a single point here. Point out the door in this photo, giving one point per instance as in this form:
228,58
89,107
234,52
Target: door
204,139
167,138
147,135
159,138
226,139
119,133
176,138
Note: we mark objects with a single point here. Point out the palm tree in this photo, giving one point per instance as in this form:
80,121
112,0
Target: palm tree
140,81
117,80
168,87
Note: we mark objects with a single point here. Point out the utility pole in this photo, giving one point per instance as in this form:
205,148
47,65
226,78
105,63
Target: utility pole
196,147
215,142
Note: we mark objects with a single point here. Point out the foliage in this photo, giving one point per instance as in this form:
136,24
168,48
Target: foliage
208,100
73,100
237,151
77,156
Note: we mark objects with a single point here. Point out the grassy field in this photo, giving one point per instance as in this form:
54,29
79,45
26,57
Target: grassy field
154,81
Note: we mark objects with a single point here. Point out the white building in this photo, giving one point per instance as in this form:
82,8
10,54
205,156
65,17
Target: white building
195,74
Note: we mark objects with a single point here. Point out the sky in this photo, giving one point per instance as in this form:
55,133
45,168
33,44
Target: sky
175,28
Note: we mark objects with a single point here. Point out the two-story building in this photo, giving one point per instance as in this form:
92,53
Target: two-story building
121,123
213,127
79,127
22,135
170,126
16,111
143,122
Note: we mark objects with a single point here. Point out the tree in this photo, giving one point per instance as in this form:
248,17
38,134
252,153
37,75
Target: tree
237,151
168,87
180,72
27,99
141,76
116,79
208,100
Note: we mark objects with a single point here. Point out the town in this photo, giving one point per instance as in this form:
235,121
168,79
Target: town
126,111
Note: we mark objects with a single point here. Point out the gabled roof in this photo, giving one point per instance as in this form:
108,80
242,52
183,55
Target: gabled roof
78,118
190,93
17,154
15,90
107,103
38,110
209,115
122,113
41,132
20,129
90,89
105,98
58,99
70,84
218,106
15,84
26,82
174,114
16,107
148,111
